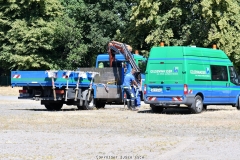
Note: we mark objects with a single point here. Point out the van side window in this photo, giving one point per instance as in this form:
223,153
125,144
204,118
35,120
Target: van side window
219,73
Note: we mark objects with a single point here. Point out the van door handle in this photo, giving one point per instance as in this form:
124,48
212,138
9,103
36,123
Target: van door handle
168,88
162,82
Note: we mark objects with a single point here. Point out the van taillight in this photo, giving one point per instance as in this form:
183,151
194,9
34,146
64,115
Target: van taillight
23,91
145,89
185,89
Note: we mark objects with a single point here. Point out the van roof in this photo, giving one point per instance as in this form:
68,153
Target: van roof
180,51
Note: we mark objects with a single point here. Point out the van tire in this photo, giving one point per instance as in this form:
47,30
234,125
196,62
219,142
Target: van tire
238,105
156,109
197,105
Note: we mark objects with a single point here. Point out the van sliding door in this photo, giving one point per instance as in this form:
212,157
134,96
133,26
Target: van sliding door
220,84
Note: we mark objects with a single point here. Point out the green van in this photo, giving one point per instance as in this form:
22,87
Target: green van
192,76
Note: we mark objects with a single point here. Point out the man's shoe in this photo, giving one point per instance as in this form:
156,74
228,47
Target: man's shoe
134,109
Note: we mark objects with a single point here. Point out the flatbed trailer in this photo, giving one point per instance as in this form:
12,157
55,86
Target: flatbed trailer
86,88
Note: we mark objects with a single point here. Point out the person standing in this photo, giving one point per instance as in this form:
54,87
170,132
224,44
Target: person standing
137,91
129,80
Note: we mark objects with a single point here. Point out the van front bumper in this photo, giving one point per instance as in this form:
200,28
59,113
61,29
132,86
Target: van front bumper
187,100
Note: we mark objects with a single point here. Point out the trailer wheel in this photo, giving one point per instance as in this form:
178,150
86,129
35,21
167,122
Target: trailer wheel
54,106
57,106
48,107
100,104
197,105
81,107
89,104
156,109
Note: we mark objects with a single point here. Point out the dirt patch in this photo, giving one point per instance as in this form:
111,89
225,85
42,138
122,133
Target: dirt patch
9,91
29,131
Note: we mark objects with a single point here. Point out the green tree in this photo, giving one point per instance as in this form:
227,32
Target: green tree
186,22
101,21
27,32
222,19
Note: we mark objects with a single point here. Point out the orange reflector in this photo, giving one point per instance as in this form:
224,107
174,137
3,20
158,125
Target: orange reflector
23,91
59,91
214,46
136,52
162,44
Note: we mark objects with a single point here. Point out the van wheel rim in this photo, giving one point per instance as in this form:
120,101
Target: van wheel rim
199,105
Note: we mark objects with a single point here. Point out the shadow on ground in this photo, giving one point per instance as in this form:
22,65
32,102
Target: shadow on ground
62,110
172,111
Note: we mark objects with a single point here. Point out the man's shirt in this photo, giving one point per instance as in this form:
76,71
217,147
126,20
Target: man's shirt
128,80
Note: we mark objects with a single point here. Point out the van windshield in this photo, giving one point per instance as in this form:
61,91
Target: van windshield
234,78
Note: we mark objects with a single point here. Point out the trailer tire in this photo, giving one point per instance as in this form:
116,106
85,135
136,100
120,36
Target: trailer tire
57,106
197,105
156,109
48,107
89,105
100,104
54,106
81,107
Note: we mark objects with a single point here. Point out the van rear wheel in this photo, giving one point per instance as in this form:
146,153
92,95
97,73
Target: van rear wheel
238,105
156,109
197,105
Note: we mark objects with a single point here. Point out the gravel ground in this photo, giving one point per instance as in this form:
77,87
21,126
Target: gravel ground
29,131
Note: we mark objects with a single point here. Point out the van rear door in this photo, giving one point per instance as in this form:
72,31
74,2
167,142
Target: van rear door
165,80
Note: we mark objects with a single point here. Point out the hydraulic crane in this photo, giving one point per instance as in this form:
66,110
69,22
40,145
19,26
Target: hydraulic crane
115,47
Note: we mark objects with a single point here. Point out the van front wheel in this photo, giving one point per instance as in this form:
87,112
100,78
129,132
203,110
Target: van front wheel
238,105
197,105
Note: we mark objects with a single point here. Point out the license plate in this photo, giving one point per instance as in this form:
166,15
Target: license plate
156,89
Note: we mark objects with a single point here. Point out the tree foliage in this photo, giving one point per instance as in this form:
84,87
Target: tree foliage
27,31
66,34
102,20
186,22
